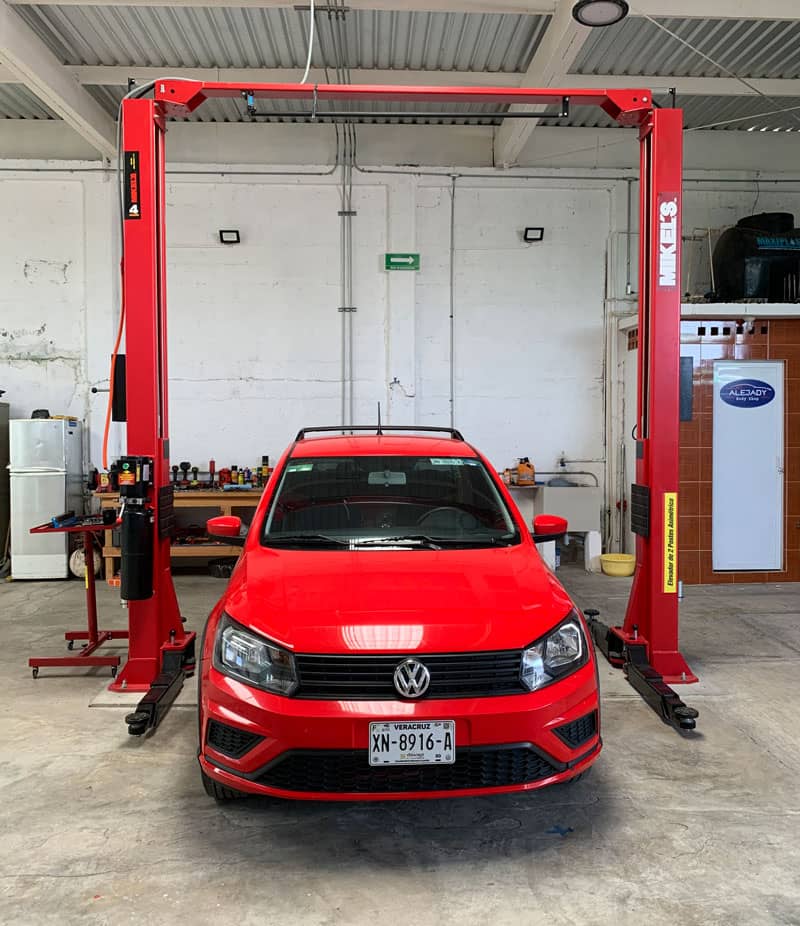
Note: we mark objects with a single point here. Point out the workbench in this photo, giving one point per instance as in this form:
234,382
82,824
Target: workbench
224,502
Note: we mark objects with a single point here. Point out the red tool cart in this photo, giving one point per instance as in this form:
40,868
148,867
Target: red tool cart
94,638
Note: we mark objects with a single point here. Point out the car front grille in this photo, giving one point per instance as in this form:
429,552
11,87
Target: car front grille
230,741
458,675
349,772
578,731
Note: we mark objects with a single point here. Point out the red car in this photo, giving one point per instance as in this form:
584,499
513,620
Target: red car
390,631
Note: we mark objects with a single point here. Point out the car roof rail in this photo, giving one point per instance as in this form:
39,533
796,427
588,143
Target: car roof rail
378,429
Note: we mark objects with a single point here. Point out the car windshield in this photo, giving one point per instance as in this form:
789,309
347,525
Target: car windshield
374,502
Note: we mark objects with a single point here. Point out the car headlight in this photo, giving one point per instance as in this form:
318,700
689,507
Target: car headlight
561,651
253,659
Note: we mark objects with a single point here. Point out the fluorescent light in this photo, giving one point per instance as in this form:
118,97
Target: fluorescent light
600,12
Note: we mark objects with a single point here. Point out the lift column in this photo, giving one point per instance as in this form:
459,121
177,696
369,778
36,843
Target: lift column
160,652
647,643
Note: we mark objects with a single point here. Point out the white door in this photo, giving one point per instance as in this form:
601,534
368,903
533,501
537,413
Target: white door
747,488
35,498
628,448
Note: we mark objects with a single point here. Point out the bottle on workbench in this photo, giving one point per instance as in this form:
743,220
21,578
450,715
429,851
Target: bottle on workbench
234,475
526,475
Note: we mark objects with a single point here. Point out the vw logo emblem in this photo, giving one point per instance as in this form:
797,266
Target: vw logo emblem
411,679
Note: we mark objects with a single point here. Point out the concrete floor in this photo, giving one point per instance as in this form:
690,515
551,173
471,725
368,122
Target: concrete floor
100,827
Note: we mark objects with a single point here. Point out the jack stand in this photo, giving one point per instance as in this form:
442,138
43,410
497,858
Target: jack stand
178,664
632,659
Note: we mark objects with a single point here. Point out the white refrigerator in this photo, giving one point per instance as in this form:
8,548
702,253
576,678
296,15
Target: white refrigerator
46,470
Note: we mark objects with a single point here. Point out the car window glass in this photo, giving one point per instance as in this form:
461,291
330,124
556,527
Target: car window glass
451,501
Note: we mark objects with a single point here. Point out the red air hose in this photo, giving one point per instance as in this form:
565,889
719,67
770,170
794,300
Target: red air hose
113,367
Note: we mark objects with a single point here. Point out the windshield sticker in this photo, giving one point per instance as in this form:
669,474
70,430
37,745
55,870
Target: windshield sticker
300,468
453,461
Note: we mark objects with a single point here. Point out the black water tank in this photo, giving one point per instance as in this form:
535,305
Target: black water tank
759,259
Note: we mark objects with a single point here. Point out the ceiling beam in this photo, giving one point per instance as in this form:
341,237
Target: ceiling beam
687,86
685,9
25,55
425,6
553,59
118,76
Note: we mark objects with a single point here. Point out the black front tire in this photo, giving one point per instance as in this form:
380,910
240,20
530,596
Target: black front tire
219,792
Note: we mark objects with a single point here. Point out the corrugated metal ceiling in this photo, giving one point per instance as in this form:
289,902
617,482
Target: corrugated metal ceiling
17,102
747,48
276,37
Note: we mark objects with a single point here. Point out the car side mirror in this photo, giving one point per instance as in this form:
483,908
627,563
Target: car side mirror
548,527
226,527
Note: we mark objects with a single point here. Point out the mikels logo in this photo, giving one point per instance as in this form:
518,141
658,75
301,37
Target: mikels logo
747,393
668,232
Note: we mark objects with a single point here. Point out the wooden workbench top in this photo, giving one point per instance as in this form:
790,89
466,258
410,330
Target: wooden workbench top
195,496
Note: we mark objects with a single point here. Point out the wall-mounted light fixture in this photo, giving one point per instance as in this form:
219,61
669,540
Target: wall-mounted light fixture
229,235
600,12
533,234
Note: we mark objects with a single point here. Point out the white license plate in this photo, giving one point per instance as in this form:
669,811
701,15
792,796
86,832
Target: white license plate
424,742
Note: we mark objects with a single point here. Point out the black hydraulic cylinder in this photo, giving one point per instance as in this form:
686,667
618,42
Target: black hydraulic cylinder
136,566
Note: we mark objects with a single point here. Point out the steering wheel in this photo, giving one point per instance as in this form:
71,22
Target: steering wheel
463,519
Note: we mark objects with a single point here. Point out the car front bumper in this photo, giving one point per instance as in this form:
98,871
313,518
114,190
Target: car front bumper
318,750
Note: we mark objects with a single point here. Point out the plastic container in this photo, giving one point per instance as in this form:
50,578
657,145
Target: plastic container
618,564
526,475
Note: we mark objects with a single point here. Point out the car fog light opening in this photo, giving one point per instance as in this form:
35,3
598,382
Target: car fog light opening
557,654
249,658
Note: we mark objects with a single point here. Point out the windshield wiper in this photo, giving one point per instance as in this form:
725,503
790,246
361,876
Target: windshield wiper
415,540
302,537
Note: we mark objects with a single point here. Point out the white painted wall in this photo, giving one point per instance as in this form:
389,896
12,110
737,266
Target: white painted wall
255,332
255,335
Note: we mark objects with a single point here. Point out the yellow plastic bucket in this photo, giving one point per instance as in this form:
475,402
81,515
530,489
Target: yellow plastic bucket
618,564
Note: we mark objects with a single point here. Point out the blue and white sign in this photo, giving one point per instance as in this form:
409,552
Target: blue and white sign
747,393
747,520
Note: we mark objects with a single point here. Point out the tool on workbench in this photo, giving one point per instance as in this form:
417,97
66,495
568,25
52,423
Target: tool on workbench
67,519
185,467
212,468
175,470
195,471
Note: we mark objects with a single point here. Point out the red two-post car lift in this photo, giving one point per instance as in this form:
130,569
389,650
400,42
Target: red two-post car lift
161,652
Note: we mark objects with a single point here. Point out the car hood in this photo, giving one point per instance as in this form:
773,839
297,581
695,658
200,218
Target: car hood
396,600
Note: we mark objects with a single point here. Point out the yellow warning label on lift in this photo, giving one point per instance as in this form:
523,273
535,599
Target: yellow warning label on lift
670,541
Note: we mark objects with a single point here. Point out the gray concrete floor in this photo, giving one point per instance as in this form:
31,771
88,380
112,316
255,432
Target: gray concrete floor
96,826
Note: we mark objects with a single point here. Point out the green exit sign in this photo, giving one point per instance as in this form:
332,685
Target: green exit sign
402,262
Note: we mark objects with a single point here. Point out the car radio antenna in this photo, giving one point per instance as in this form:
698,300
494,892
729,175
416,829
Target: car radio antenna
380,430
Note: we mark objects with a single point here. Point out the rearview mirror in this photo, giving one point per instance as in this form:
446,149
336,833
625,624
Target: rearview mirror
548,527
227,528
